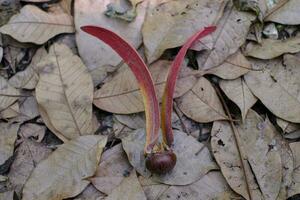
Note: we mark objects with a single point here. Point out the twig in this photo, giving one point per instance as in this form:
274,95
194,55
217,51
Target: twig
236,137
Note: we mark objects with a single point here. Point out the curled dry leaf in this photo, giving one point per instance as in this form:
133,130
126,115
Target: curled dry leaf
94,53
113,167
277,86
178,20
122,94
64,173
36,26
295,186
226,154
65,92
28,155
270,48
193,158
130,188
233,67
8,94
287,127
287,14
8,136
237,91
201,103
231,33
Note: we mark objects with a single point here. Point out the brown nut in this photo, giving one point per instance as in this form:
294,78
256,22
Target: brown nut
161,162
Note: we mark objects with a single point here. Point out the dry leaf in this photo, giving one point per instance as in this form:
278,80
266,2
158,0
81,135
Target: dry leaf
270,48
113,167
1,53
134,121
36,26
64,173
178,20
90,193
226,154
30,130
152,189
130,188
295,186
39,55
8,136
201,103
122,94
8,94
28,108
287,127
65,92
193,158
233,67
66,5
8,195
237,91
288,14
212,186
277,86
261,146
28,155
26,79
10,112
94,53
231,33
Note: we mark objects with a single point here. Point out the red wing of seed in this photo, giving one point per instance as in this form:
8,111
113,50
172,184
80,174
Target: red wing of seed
142,74
167,102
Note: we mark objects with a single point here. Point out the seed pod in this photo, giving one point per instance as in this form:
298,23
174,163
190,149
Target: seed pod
161,162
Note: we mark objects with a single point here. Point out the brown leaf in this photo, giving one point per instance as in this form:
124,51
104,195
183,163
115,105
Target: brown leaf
36,26
201,103
65,92
64,173
193,158
295,187
91,12
8,94
122,94
26,79
10,112
178,20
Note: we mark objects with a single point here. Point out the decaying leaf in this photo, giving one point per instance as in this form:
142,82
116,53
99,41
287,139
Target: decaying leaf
130,188
212,186
8,94
287,14
231,33
178,20
94,53
26,79
226,154
122,94
237,91
193,158
28,155
30,130
65,92
277,86
113,168
36,26
201,103
233,67
8,136
66,170
295,186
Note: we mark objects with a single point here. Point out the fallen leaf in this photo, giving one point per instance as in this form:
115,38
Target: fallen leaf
66,5
8,94
231,33
288,14
277,86
193,158
270,48
30,130
8,195
113,168
28,108
233,67
36,26
90,193
64,173
39,55
8,136
122,94
65,92
201,103
287,127
28,155
1,53
91,12
10,112
211,186
226,154
178,20
295,186
134,121
130,188
26,79
258,139
152,189
8,9
237,91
